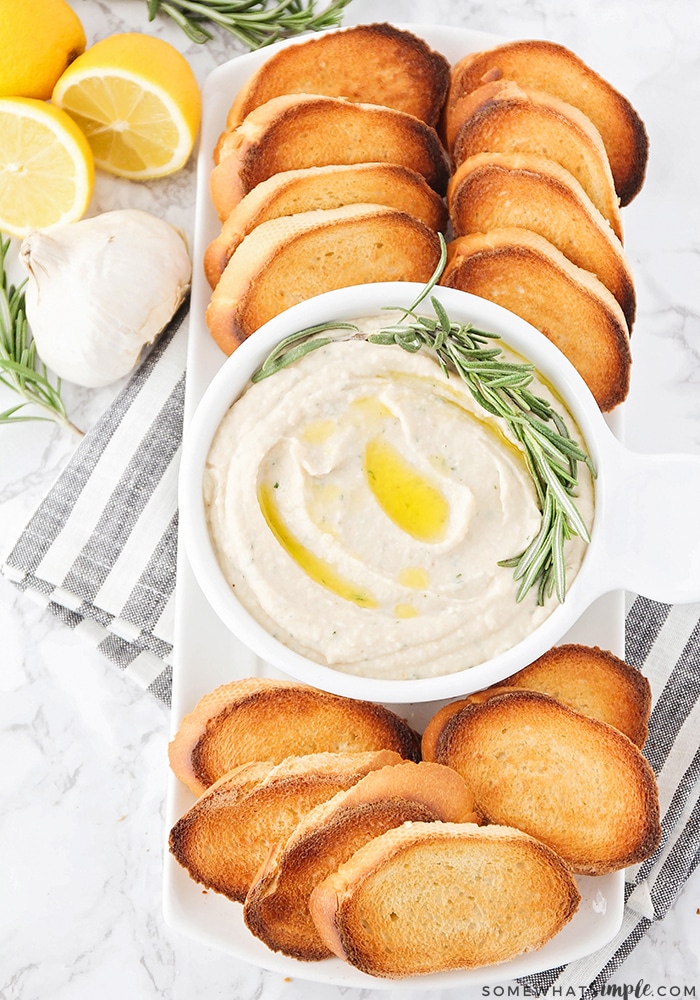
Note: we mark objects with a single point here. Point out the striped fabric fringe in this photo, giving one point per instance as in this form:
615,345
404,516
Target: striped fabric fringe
100,550
100,553
664,642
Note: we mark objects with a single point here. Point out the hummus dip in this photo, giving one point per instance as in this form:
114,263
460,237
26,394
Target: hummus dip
359,502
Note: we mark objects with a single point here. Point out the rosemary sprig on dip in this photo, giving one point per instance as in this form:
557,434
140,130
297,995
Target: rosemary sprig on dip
254,22
501,387
20,369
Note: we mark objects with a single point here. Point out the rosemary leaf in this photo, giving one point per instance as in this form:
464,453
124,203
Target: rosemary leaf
558,564
562,498
521,564
20,368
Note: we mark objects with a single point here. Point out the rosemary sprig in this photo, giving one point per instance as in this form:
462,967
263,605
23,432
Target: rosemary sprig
254,22
500,387
20,368
296,346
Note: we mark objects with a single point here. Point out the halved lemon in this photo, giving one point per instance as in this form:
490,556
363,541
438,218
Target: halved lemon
138,103
46,167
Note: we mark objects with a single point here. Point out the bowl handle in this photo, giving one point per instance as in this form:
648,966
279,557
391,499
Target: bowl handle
652,525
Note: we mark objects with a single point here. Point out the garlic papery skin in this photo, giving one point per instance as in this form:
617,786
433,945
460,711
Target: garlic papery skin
100,290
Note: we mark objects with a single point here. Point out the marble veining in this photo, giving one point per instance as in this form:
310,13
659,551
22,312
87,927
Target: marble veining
82,792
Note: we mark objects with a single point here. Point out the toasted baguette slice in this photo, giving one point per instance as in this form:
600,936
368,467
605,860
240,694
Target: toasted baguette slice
503,117
276,908
543,65
577,784
293,258
308,130
498,190
429,897
588,679
525,273
269,719
353,63
295,191
227,834
593,681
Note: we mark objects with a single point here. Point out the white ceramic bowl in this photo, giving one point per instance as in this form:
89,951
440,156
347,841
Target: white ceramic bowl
645,536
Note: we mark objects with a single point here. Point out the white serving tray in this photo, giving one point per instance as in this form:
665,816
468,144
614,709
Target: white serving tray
207,654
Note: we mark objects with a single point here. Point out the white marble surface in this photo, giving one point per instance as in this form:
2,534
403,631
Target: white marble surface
82,791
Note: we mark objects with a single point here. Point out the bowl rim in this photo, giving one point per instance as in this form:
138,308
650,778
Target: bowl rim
233,377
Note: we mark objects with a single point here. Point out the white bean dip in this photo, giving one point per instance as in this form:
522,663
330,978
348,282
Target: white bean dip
359,502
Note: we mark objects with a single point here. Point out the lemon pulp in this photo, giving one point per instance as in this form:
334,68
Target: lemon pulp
46,167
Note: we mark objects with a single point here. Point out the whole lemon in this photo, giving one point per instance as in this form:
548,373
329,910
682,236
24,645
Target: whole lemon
38,40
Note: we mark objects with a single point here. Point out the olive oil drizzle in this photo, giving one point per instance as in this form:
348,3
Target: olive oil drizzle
317,569
406,497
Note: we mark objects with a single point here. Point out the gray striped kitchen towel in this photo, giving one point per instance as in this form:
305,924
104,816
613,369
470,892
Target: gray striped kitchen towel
100,553
100,550
664,642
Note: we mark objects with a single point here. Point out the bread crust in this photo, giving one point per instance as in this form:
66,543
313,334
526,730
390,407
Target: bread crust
483,895
277,905
587,679
258,718
273,906
288,260
544,65
194,723
499,190
294,191
366,63
435,726
526,274
577,784
227,834
593,681
307,130
504,117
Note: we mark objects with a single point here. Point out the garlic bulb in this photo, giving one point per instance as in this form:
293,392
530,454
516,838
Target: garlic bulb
100,290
